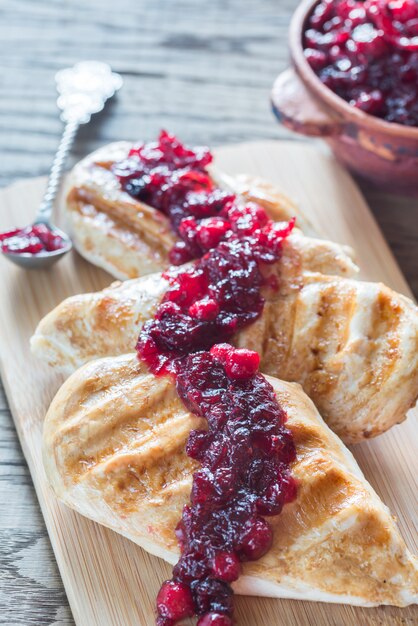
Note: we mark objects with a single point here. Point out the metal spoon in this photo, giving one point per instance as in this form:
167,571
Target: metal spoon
83,91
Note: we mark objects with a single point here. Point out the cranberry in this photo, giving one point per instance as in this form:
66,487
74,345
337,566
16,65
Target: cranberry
197,444
367,41
214,619
248,220
203,488
188,228
256,541
211,231
342,8
206,309
321,13
369,102
212,595
10,233
364,52
188,286
31,240
221,351
356,16
241,364
226,566
324,41
403,10
316,59
175,601
180,254
203,204
272,501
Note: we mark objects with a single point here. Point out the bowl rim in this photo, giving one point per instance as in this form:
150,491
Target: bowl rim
323,92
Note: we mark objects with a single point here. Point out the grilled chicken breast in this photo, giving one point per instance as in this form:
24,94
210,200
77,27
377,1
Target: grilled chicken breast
352,345
107,323
129,238
114,441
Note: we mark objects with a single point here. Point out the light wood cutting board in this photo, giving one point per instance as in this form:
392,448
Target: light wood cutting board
109,580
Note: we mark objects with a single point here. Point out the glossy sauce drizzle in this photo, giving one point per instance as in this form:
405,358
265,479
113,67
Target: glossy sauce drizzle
246,451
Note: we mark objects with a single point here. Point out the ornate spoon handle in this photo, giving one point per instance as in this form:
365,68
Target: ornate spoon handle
83,91
67,140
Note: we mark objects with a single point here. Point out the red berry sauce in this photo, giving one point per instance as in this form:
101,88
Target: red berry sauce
173,179
244,476
366,51
214,298
31,240
246,451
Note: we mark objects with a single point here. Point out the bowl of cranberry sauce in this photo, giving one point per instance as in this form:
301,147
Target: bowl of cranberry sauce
354,82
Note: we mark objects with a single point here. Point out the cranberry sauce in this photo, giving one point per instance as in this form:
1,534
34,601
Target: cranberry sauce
366,51
173,179
31,240
219,294
244,475
246,451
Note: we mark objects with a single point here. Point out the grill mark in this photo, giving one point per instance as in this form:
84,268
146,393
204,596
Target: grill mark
268,335
151,472
158,241
296,367
127,438
110,316
325,491
387,320
322,378
308,438
138,215
293,312
125,418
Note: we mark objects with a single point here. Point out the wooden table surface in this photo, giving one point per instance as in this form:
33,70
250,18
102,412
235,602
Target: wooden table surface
201,69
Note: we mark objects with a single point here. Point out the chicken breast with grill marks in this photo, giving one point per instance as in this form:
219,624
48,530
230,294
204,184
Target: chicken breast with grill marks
352,345
114,441
88,326
129,238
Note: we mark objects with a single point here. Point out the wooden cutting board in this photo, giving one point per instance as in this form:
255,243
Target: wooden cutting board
109,580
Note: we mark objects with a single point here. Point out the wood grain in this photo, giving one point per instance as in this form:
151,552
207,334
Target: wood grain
201,69
109,580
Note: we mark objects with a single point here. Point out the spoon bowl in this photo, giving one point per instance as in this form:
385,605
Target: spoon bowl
44,259
83,90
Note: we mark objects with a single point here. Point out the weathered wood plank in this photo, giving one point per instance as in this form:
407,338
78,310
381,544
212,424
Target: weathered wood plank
202,69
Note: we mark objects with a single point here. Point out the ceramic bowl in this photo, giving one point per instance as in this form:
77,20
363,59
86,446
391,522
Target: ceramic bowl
383,152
